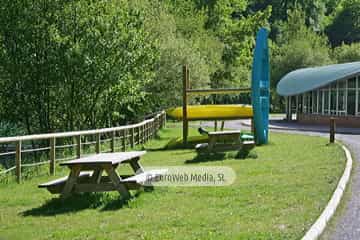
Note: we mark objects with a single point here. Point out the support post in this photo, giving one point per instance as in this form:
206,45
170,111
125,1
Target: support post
112,143
78,146
332,130
52,156
184,115
97,146
252,127
222,125
143,134
138,135
215,126
18,161
124,140
132,139
164,120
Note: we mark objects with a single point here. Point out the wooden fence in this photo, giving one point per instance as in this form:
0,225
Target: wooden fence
126,136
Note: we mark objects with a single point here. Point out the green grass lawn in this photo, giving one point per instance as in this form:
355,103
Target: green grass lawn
277,195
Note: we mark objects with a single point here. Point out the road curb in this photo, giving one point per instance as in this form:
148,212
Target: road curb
319,226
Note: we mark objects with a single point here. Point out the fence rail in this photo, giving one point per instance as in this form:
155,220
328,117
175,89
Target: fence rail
129,136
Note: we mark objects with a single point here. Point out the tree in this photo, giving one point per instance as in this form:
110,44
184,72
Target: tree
347,53
65,64
346,24
314,10
231,23
298,47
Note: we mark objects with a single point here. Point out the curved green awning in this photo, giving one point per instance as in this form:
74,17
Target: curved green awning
307,79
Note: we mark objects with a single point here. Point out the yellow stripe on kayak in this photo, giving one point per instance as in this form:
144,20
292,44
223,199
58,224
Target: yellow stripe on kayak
213,112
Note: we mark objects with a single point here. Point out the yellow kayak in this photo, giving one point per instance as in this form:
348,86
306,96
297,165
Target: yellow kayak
212,112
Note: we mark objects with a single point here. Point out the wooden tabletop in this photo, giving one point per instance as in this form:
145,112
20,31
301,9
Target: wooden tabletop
106,158
225,132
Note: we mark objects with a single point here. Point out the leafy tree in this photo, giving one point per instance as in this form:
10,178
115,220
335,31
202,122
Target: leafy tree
177,29
231,23
314,10
298,47
346,24
347,53
65,64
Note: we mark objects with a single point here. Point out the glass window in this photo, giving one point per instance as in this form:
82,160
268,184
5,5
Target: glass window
326,101
320,102
342,84
300,103
310,102
351,102
341,102
333,101
358,95
314,101
352,83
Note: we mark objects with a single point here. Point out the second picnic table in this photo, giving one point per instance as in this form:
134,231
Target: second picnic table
86,175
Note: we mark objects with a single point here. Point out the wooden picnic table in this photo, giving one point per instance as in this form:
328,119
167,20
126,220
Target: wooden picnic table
224,141
86,175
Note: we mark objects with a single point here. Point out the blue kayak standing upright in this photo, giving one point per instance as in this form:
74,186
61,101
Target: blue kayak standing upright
260,87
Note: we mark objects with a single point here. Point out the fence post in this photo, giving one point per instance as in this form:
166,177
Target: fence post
18,161
112,143
332,130
52,155
97,146
142,133
153,128
164,116
147,131
78,146
124,140
132,139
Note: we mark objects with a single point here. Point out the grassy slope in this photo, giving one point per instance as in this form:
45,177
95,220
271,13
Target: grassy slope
276,196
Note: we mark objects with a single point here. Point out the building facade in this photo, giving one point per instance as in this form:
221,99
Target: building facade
331,91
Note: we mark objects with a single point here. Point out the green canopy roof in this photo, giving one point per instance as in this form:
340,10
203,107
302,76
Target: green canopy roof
307,79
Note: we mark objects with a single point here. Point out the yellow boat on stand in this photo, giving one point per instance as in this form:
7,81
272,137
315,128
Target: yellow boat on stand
213,112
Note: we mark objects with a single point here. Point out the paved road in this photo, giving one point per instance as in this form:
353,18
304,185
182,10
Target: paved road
347,225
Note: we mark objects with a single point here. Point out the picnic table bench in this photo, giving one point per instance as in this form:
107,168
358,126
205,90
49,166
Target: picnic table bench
225,141
86,175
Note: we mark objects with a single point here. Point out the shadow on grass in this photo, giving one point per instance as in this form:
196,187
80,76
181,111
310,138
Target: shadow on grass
209,157
77,203
116,205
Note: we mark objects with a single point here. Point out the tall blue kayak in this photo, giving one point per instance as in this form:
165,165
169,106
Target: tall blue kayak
260,87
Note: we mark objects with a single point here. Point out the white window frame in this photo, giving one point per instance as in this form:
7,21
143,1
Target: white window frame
337,99
346,97
357,97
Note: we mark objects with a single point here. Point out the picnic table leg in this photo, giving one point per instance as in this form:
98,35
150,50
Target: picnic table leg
96,177
212,142
74,174
116,179
135,165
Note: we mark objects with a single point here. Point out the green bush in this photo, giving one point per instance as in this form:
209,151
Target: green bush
347,53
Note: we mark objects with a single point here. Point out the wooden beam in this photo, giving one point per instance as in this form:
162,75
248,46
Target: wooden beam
18,161
52,156
132,138
98,143
78,146
332,130
76,133
185,90
112,143
217,91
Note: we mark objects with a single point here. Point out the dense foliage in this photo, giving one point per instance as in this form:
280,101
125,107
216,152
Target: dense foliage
67,65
